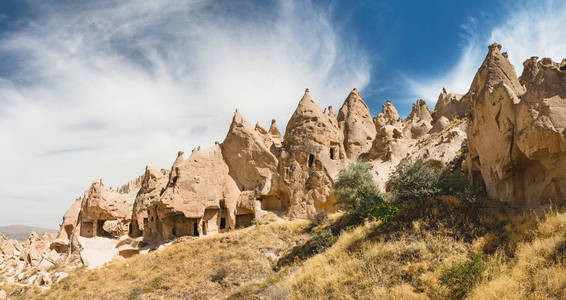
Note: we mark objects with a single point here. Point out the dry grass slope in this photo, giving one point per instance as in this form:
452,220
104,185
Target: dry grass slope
490,253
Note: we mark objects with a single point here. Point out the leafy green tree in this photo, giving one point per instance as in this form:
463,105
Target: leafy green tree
413,182
354,190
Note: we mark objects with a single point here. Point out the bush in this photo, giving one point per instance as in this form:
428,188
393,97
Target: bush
453,181
414,182
354,190
319,218
463,276
384,211
322,240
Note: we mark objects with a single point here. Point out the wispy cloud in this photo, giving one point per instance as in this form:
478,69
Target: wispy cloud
100,89
529,29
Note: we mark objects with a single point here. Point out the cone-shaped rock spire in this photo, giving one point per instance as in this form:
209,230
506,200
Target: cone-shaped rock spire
359,130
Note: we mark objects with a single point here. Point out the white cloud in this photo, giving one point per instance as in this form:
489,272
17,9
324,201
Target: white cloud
104,88
532,29
536,29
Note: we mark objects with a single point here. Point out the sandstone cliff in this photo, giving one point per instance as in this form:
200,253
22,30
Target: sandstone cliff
516,135
515,126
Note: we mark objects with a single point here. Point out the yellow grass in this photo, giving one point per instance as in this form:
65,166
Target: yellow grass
524,256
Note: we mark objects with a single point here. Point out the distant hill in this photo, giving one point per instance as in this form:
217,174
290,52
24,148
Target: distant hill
21,232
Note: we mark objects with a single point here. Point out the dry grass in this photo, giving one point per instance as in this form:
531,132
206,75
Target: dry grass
538,270
205,268
523,256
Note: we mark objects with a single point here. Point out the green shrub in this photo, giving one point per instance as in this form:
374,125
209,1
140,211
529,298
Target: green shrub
384,211
453,181
355,191
322,240
413,182
462,276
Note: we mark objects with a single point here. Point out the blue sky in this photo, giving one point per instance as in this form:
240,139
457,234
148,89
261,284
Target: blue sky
99,89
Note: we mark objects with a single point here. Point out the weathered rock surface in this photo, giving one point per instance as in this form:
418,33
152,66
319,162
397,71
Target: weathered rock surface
449,105
199,194
516,129
249,159
100,205
419,122
153,184
359,130
516,137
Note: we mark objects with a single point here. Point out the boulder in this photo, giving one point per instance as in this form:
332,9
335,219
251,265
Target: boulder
440,124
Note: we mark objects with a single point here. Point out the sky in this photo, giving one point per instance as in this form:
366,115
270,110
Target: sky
100,89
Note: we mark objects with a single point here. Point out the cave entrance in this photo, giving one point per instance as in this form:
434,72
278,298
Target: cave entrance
195,229
100,229
311,160
223,223
332,153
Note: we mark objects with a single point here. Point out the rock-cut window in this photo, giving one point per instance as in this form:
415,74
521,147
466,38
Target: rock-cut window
311,160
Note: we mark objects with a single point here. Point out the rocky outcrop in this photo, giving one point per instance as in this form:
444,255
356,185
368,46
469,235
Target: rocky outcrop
450,105
388,116
515,126
313,152
63,242
100,205
419,122
153,184
201,197
249,159
516,137
359,130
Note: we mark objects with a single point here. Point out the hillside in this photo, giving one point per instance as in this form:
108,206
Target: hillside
496,254
22,232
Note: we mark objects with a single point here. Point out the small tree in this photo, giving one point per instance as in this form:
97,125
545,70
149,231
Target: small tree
354,190
413,182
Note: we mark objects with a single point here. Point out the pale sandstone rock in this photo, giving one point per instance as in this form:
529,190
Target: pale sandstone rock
312,154
516,137
440,125
359,130
251,163
199,195
64,237
449,105
99,205
388,116
153,184
419,122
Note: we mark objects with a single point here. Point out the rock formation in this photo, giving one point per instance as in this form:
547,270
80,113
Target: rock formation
516,129
101,205
359,130
200,193
419,122
516,136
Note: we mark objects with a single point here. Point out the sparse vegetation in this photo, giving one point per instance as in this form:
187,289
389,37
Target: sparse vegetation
355,191
413,182
464,247
462,276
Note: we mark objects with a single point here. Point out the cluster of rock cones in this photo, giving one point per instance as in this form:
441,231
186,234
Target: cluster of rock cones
511,131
